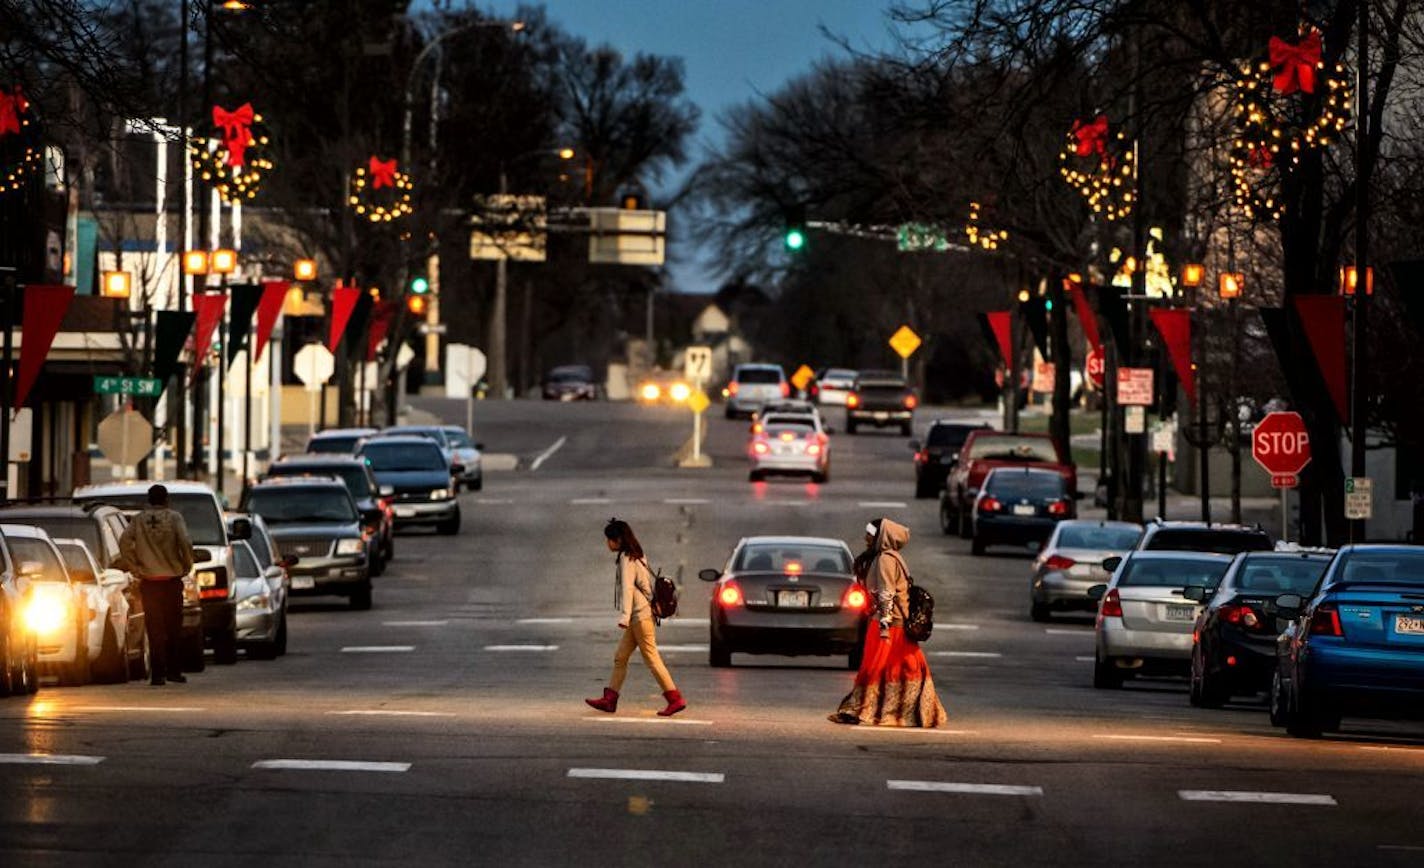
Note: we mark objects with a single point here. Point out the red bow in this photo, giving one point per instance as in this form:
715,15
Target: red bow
383,173
1092,137
235,130
1261,157
1295,63
11,105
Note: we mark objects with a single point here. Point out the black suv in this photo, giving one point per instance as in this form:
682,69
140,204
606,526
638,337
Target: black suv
315,519
938,454
1196,536
414,473
361,482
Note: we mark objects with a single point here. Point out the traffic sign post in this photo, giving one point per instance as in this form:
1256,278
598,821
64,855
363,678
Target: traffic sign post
697,368
1096,366
1134,387
313,365
1281,445
802,378
697,365
1359,498
125,437
904,342
142,387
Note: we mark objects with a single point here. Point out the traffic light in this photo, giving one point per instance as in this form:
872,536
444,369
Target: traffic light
793,236
416,304
419,286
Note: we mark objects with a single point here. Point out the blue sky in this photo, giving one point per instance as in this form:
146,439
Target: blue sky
733,50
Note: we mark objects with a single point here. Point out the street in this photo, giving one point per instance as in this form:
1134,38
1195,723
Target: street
447,724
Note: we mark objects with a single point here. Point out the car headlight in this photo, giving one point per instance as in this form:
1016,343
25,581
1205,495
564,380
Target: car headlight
440,494
257,601
45,613
354,546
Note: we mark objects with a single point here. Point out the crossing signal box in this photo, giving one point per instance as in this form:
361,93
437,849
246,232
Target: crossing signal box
416,304
419,286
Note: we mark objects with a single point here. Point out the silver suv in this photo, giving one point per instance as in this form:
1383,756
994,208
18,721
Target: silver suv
753,386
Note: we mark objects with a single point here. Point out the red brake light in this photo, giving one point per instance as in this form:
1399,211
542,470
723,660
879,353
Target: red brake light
757,427
813,449
732,388
1059,562
793,568
760,447
1112,605
1244,616
1058,507
730,596
785,389
855,598
1326,621
852,400
911,401
787,436
990,504
213,593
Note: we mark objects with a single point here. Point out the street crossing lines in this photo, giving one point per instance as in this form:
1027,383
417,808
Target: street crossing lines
535,648
589,501
968,789
1179,739
414,623
377,649
1239,796
982,654
330,766
690,648
648,775
545,621
547,453
957,626
686,501
146,709
390,712
1060,631
49,759
882,504
671,721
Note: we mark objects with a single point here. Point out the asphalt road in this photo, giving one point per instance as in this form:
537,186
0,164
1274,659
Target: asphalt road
446,725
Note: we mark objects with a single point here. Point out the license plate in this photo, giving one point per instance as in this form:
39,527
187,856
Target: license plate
794,599
1409,625
405,512
302,583
1181,613
1025,509
881,416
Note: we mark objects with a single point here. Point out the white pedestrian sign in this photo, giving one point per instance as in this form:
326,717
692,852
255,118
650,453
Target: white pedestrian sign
314,365
697,364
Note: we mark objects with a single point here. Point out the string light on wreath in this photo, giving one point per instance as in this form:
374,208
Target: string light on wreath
380,192
1100,164
234,168
19,156
982,238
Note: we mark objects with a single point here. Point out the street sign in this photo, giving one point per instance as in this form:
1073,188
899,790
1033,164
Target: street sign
432,328
1164,440
1281,446
1359,498
698,402
125,437
697,364
21,426
1096,366
803,376
314,364
904,341
919,238
1134,387
1043,376
620,236
404,356
1134,420
143,387
510,227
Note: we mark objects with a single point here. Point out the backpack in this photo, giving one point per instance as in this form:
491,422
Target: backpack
920,622
664,596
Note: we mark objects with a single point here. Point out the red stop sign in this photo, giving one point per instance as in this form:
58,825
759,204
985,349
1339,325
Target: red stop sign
1280,444
1095,364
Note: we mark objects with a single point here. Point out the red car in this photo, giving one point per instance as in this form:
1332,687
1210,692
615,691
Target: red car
985,450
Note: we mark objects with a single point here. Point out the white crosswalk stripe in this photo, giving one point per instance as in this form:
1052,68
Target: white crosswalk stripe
648,775
1239,796
331,765
968,789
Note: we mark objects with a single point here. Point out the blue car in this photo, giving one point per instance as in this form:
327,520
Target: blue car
1355,647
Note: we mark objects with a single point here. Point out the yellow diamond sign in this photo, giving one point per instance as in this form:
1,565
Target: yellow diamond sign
802,376
904,341
698,402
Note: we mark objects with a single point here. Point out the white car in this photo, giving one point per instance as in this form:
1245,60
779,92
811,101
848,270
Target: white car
833,385
105,593
1144,624
789,448
55,611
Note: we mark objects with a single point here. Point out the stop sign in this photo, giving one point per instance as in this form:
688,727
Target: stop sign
1095,365
1281,445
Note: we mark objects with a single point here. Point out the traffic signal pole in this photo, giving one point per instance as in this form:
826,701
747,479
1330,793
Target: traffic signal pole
1359,405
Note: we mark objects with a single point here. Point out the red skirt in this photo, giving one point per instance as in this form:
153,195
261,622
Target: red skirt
893,686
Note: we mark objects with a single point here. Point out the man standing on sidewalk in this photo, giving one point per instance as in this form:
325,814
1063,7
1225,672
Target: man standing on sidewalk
156,548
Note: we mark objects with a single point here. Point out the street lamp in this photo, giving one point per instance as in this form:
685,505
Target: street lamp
1192,274
1350,280
223,261
117,284
1230,284
195,262
304,269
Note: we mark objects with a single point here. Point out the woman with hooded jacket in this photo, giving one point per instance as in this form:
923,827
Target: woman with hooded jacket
632,597
893,686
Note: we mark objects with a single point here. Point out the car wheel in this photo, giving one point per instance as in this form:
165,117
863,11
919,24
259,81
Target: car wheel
479,483
924,490
755,476
820,478
450,527
32,669
1040,612
719,656
7,671
947,524
390,553
853,660
1203,693
192,659
977,546
225,649
1276,702
1105,674
361,598
112,665
378,565
730,414
141,667
906,430
966,528
280,644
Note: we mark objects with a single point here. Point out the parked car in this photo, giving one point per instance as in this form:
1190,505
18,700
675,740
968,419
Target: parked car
1354,647
1196,536
19,649
211,579
1234,641
376,513
1144,624
341,441
414,477
1019,506
55,610
1071,562
982,452
937,455
832,385
466,454
570,383
882,399
752,386
261,605
116,654
315,520
786,595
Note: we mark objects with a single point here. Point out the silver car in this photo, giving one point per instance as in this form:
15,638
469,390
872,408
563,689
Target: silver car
753,386
1145,623
55,611
833,384
261,605
795,447
465,454
116,652
1071,562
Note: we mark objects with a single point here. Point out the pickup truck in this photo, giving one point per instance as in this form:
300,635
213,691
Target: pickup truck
984,450
881,399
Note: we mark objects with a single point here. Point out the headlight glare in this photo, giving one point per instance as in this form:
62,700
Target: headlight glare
45,613
257,601
440,494
353,546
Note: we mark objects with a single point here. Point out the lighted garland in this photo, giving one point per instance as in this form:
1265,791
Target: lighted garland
986,239
1099,164
240,182
19,155
366,199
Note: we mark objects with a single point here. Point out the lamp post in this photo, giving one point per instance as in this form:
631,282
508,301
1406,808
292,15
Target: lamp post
222,262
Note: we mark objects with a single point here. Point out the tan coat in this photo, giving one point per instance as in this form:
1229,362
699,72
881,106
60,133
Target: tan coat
155,545
888,578
637,583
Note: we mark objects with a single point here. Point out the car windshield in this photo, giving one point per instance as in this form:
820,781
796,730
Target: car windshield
791,420
459,440
1014,448
570,375
67,527
1395,567
281,504
1118,539
246,564
1226,542
24,549
840,374
353,475
403,457
881,388
1172,573
199,510
1025,485
76,559
759,375
947,435
428,433
339,445
791,558
1280,575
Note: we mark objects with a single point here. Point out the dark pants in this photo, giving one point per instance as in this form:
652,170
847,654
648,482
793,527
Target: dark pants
163,620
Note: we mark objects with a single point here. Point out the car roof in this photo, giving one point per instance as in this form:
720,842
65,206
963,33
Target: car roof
298,482
344,432
55,510
1024,471
317,458
24,530
1382,548
1098,522
1175,555
141,486
959,423
791,540
395,428
1201,525
401,438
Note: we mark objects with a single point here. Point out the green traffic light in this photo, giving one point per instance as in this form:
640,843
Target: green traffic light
419,285
795,239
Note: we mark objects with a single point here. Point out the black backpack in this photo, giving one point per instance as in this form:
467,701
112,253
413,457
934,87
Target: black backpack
920,622
663,600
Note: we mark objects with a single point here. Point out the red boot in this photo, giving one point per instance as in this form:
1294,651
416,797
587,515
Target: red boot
608,703
675,703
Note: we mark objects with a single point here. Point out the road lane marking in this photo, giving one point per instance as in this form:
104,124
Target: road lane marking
521,647
1059,631
680,721
414,623
589,501
545,621
1086,658
1256,798
688,622
177,709
391,712
648,775
330,765
958,626
377,649
973,789
881,504
682,647
786,502
493,501
49,759
983,654
686,501
1183,739
547,453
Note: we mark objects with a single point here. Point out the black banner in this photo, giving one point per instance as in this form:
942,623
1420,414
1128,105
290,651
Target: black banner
170,334
245,298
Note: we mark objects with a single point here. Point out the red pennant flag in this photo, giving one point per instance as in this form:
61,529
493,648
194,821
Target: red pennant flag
380,327
1323,319
1175,326
209,306
343,302
1001,323
1086,318
45,307
274,293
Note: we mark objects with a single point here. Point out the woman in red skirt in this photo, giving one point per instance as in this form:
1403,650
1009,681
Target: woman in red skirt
893,686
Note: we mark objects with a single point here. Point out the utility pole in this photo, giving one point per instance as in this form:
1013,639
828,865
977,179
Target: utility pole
9,289
498,370
1359,404
1136,443
179,388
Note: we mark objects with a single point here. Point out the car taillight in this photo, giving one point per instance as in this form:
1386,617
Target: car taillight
785,389
1326,621
990,504
1242,616
921,457
760,448
732,388
911,402
787,436
730,596
1058,507
758,428
852,400
1059,562
1112,605
854,598
813,449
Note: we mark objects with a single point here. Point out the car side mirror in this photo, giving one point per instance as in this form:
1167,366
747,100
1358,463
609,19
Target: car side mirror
914,446
387,490
709,575
1096,591
1196,593
1111,564
1289,605
272,572
241,529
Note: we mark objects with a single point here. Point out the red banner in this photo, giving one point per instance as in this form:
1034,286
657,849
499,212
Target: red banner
1175,326
1323,318
209,306
274,293
343,302
45,307
1086,318
1001,322
381,317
